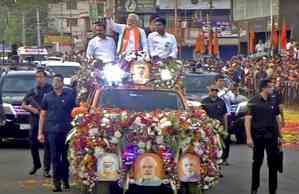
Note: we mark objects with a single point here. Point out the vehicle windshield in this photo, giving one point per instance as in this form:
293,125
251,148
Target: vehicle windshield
30,58
66,71
19,83
200,83
140,100
196,83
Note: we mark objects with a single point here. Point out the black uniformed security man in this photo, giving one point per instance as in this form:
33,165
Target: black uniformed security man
262,133
55,120
216,109
214,105
32,103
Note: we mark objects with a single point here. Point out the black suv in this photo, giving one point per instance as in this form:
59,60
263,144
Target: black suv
196,84
196,88
14,84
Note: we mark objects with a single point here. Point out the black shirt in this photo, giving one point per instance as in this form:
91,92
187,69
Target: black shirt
215,109
34,98
59,108
263,123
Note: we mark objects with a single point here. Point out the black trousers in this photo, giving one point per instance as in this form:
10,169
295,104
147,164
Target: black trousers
34,148
58,149
271,147
226,149
227,140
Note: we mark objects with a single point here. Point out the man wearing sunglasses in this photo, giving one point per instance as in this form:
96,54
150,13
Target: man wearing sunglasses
215,106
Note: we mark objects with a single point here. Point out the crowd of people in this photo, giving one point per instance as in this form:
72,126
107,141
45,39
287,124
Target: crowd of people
283,71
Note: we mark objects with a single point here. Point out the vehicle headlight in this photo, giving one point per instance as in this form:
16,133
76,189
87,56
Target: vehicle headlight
8,109
113,73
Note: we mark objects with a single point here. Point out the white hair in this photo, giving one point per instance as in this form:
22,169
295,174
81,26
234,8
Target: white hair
134,15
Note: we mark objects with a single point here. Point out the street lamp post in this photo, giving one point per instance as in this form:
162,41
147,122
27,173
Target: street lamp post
3,52
4,32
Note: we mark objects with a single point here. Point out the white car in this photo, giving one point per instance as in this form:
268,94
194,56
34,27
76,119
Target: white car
54,58
65,68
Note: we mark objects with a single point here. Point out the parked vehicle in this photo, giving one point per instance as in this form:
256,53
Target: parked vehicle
14,84
33,55
196,88
65,68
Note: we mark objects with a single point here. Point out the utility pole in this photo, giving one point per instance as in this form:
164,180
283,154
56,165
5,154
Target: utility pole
61,19
210,13
4,33
38,28
3,52
175,17
23,30
71,18
175,25
210,31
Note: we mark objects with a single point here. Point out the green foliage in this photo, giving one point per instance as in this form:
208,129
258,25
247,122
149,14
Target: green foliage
11,12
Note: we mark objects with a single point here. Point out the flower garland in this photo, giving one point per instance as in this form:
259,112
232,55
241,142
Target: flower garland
129,134
171,69
164,73
88,75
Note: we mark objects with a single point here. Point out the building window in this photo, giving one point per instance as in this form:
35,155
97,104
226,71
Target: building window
71,4
72,22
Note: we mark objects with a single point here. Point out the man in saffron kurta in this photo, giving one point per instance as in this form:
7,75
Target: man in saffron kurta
131,37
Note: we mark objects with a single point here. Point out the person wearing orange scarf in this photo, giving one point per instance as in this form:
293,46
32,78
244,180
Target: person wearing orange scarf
132,37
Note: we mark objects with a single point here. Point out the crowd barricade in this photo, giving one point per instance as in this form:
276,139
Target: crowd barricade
290,93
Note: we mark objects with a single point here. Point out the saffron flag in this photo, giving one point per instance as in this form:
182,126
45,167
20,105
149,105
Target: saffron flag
251,41
283,41
200,44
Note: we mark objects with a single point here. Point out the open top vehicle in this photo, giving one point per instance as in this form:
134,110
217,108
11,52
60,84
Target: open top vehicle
135,128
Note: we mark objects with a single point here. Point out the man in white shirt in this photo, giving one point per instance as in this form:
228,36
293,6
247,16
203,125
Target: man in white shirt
260,47
162,44
290,44
131,37
101,47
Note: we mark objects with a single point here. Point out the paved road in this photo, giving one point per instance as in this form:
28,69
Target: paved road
15,163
